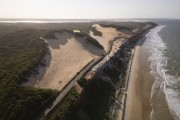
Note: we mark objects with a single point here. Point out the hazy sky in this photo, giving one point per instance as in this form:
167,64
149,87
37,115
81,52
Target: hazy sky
89,9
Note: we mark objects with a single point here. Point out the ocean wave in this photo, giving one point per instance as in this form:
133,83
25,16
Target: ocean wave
169,84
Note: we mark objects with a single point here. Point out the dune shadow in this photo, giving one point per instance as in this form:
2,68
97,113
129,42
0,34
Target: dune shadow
62,39
90,47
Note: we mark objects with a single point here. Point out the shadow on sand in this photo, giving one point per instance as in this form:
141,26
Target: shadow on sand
62,39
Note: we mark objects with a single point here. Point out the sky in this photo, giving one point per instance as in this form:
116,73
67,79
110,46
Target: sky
89,9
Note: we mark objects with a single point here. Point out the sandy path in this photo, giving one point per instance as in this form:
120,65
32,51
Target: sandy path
139,88
68,56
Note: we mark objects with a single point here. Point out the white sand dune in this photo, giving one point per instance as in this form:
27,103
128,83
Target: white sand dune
108,34
68,55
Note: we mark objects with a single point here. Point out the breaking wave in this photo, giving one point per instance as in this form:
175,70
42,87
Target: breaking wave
166,87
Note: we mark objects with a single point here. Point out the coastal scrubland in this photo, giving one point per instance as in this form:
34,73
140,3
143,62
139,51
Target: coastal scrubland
20,52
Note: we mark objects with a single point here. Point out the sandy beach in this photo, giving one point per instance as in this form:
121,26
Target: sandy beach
139,87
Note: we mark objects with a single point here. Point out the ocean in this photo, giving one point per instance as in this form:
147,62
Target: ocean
163,44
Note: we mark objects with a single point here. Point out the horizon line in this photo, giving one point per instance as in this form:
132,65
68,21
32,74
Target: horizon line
84,18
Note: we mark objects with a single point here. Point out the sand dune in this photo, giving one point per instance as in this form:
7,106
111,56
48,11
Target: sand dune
68,55
108,34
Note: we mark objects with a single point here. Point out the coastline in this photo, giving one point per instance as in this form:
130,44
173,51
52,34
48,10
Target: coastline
135,38
95,96
139,86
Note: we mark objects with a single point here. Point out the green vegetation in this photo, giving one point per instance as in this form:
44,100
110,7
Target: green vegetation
99,92
93,41
96,98
82,82
10,27
89,39
134,25
65,109
128,27
51,34
96,32
22,103
79,34
118,27
21,49
20,52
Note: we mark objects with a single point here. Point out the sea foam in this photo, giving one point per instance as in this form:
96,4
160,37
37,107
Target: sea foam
164,82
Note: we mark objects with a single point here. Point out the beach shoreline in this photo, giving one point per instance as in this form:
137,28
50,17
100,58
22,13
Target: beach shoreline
138,106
